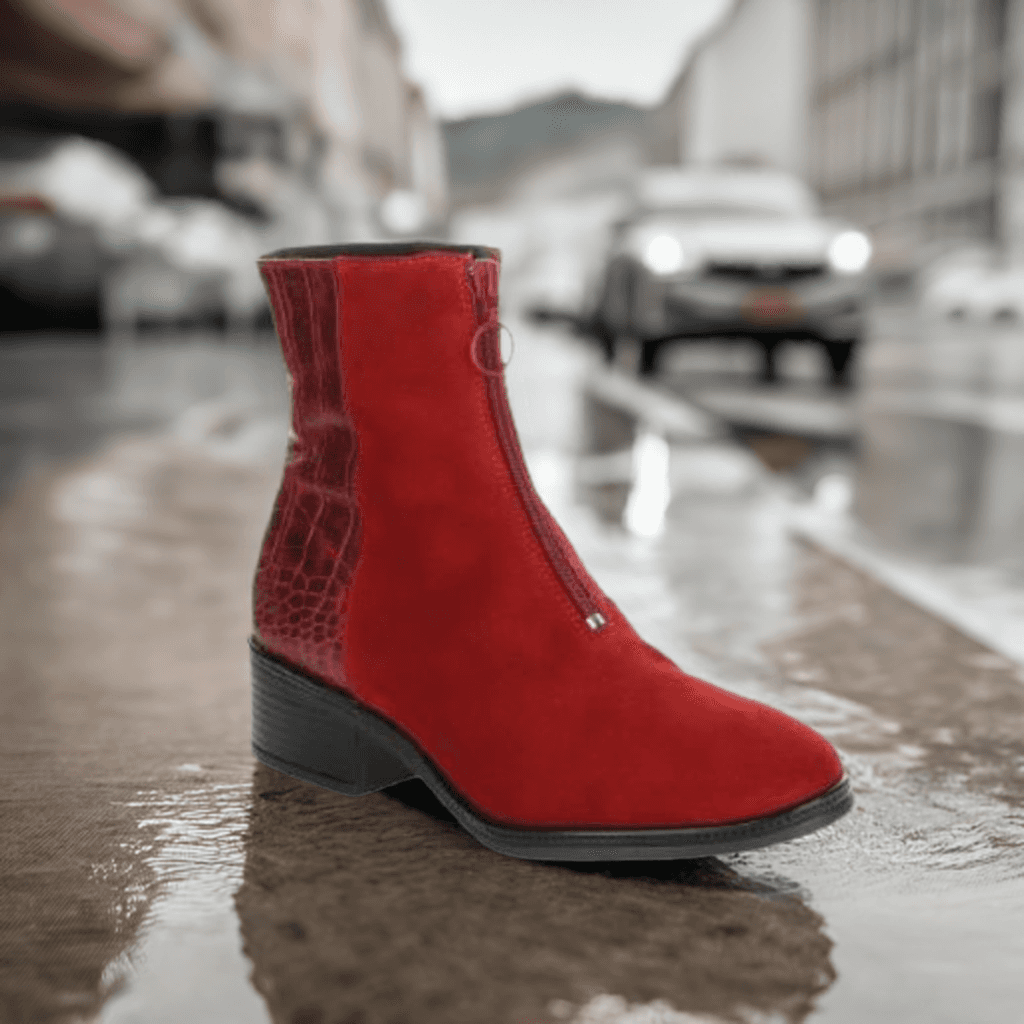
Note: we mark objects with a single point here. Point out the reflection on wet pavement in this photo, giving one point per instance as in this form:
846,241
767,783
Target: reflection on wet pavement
192,933
943,440
60,399
143,852
125,753
383,907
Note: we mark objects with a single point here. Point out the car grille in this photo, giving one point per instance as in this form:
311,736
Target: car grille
765,273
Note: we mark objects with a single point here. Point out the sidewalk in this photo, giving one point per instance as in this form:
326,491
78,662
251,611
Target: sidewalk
153,874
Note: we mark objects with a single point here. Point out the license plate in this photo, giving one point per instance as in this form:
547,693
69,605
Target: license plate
771,306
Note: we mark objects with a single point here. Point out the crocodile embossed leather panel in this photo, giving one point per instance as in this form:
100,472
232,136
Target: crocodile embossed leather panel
312,543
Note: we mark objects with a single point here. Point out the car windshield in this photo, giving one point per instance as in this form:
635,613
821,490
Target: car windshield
703,211
715,193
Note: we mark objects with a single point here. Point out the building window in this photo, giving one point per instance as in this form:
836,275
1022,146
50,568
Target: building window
985,118
990,24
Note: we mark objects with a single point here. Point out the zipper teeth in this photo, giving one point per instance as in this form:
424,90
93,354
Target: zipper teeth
549,541
553,543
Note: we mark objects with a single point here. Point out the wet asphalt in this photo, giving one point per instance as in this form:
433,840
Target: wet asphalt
152,872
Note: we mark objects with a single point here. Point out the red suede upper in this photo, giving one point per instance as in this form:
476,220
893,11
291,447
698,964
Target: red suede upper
454,623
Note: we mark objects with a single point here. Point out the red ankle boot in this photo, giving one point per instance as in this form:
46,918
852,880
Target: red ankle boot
418,613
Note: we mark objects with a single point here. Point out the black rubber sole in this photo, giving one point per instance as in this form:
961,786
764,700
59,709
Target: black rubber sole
320,735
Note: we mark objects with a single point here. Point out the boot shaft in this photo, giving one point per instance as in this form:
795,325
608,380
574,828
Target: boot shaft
390,328
394,359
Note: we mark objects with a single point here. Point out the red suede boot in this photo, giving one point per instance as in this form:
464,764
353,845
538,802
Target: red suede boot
418,613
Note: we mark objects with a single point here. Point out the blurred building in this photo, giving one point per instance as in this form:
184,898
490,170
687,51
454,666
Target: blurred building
917,122
742,96
427,162
150,150
283,108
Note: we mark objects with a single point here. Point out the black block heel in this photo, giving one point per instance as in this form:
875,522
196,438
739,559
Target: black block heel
300,727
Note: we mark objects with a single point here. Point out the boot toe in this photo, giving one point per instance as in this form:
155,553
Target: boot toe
671,757
741,761
768,765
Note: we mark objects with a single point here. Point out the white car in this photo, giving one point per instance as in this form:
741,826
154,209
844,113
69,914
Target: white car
53,252
967,286
189,261
85,238
731,252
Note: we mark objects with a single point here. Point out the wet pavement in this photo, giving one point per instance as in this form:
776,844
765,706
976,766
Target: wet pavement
152,872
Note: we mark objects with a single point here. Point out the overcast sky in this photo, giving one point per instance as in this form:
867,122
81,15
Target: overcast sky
483,56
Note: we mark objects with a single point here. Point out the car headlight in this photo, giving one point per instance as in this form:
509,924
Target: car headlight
849,252
664,254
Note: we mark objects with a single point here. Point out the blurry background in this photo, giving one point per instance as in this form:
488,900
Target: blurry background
150,150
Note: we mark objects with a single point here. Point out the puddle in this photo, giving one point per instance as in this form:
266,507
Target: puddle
382,902
188,963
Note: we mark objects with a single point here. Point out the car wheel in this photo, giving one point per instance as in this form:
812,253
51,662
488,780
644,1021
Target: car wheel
650,352
611,321
769,365
840,355
605,337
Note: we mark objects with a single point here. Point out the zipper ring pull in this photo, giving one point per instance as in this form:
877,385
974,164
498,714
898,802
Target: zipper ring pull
486,326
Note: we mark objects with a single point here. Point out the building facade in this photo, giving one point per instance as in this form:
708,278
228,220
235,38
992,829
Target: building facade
743,94
286,108
915,122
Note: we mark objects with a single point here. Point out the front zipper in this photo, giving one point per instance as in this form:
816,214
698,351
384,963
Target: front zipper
582,591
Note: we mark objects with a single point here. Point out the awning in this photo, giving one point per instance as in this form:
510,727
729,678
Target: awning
96,53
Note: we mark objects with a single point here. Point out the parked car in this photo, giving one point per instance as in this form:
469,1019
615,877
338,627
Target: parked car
969,285
52,262
730,252
86,240
189,263
51,268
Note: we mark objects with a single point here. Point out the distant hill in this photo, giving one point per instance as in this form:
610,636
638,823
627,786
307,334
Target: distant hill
487,154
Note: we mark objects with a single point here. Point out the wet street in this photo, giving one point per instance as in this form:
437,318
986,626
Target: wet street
153,873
